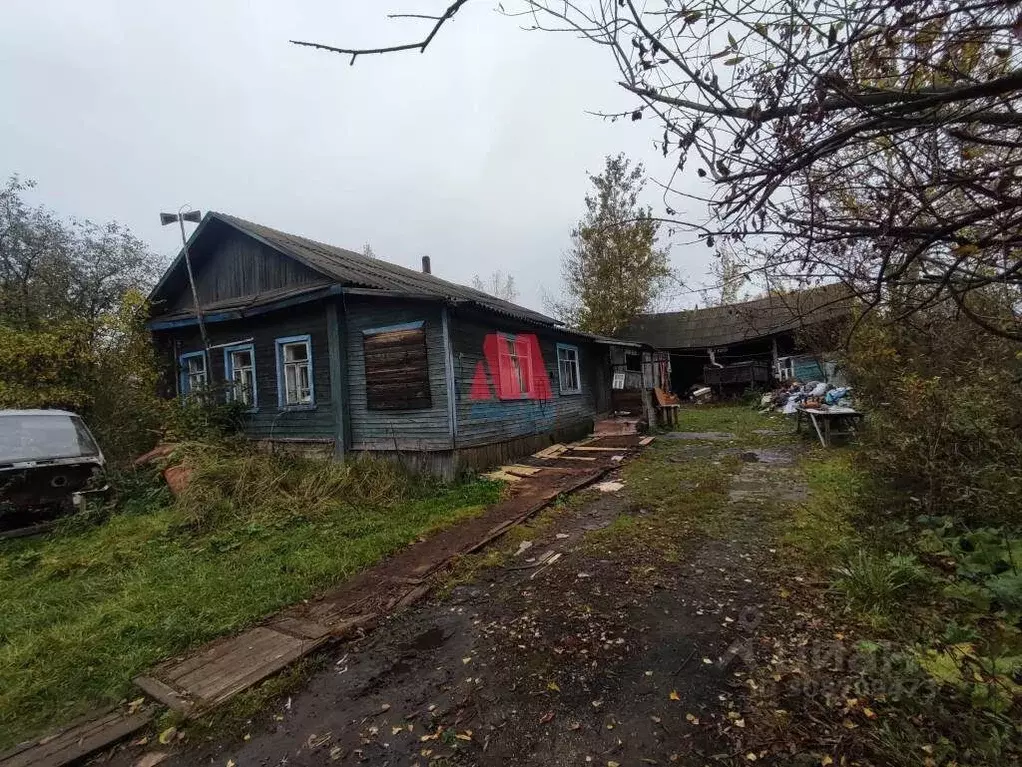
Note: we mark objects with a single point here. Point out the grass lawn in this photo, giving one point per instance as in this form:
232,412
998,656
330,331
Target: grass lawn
90,606
740,420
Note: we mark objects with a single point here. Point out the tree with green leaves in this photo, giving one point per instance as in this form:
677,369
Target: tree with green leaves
614,270
72,321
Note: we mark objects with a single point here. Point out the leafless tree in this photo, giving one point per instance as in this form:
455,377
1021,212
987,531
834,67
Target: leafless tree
498,284
875,142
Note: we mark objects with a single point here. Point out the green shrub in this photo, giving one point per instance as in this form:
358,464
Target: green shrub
209,417
944,425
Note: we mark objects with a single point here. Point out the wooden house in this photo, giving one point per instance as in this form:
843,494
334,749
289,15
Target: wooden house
753,343
337,352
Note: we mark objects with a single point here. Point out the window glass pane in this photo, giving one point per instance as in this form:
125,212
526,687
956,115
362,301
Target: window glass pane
242,359
39,437
291,384
296,352
297,374
244,380
194,372
567,358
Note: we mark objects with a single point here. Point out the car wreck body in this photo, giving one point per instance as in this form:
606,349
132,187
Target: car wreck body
48,459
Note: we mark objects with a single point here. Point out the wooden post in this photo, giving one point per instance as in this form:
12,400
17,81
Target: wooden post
452,389
337,348
647,408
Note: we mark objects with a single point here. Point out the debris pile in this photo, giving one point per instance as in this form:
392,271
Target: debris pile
811,394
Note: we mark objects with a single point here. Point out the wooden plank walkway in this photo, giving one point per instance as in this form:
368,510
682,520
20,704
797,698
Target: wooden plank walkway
225,667
221,669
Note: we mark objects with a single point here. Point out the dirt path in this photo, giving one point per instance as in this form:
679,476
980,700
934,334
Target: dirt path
628,649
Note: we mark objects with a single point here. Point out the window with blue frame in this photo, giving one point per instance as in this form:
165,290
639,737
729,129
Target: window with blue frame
295,387
194,372
240,372
567,369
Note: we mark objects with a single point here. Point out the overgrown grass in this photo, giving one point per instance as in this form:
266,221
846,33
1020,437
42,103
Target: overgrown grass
673,497
90,606
821,529
944,600
743,422
874,583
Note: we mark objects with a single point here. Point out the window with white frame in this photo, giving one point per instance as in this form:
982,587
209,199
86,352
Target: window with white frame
239,370
294,371
193,372
567,368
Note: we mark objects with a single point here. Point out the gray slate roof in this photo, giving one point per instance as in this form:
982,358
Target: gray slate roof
349,268
722,325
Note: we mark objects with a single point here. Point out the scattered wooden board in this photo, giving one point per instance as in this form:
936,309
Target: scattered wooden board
521,469
645,441
213,676
550,452
79,740
594,448
576,458
192,684
502,476
21,532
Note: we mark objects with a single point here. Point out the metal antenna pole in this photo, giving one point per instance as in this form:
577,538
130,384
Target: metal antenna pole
191,283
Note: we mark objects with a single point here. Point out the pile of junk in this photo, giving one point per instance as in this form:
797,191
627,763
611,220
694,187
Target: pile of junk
811,394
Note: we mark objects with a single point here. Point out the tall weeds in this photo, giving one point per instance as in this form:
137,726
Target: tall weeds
233,484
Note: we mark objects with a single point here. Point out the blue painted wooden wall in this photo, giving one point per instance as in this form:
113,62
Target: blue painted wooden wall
268,420
480,422
423,429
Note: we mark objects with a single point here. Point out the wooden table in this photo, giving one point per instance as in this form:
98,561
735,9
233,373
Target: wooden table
845,419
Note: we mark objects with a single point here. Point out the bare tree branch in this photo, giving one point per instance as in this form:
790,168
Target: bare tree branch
421,45
875,142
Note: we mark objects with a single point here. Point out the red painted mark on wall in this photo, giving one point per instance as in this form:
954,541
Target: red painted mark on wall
514,364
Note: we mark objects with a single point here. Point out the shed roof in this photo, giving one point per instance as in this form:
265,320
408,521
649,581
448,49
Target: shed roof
722,325
348,268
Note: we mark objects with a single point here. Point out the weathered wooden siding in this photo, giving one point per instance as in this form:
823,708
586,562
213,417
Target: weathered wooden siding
268,421
483,418
420,429
239,265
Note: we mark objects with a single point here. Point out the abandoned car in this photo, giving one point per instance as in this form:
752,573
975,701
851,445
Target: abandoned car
47,458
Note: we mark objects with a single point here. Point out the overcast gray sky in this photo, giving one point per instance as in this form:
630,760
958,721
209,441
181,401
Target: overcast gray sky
474,152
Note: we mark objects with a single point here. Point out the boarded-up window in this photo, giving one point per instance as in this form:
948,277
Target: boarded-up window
396,368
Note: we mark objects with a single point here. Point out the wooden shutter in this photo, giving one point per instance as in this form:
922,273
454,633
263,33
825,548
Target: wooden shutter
396,370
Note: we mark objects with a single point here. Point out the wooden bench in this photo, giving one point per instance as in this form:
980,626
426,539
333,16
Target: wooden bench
668,407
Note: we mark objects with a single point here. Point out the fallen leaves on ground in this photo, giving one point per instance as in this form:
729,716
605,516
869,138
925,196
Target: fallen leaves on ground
167,735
